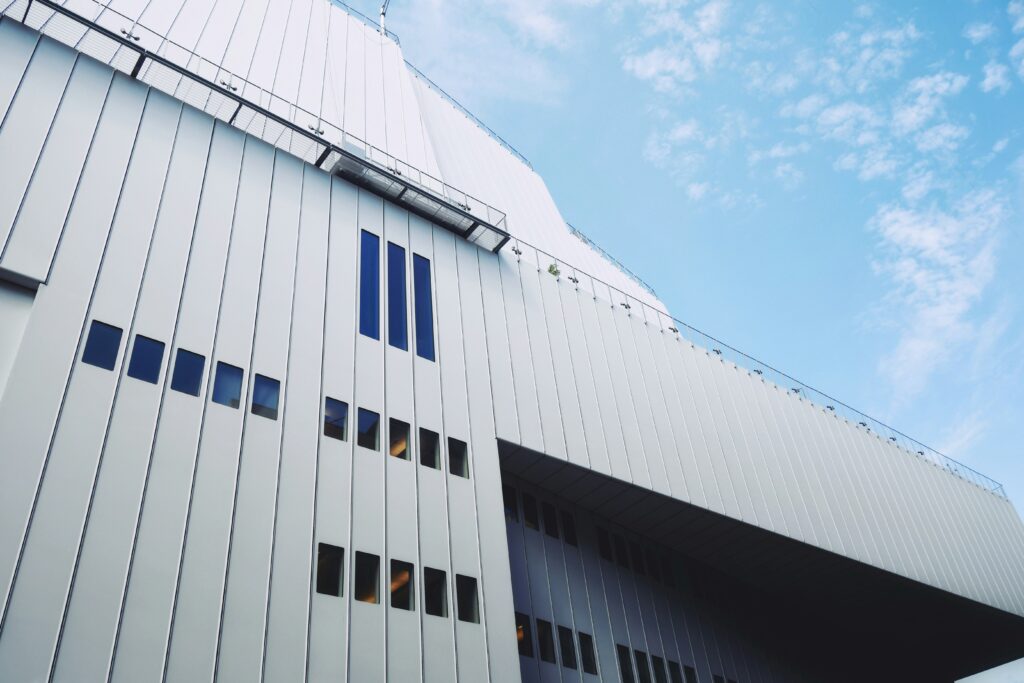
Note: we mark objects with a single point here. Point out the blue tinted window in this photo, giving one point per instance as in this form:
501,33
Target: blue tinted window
102,345
227,385
265,392
398,333
369,285
369,429
188,372
147,357
336,419
424,307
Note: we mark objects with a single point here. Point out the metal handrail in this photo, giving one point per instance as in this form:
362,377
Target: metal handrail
611,259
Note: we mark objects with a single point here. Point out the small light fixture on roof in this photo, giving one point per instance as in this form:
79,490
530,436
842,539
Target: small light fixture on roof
832,408
717,352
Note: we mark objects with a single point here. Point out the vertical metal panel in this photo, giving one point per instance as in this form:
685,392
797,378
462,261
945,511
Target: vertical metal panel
499,356
683,477
527,408
17,43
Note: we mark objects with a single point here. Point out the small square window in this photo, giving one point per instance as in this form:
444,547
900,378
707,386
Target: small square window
530,512
429,446
102,345
335,419
621,551
523,635
367,586
265,394
188,372
227,385
604,544
691,674
587,654
568,647
369,428
398,436
717,679
147,359
435,592
658,664
569,528
675,673
625,664
458,459
469,604
550,519
330,567
638,557
402,585
545,641
508,494
730,680
643,668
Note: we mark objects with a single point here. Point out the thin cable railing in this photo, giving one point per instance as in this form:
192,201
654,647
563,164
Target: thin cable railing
611,259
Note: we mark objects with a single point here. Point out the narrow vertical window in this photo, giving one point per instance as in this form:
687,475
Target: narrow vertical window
717,679
567,646
147,358
523,635
424,307
398,329
368,428
188,372
545,641
530,512
430,444
675,673
569,528
508,494
265,395
643,668
667,573
369,285
588,655
398,439
658,664
401,585
469,603
604,544
653,565
335,419
458,458
227,385
638,557
101,345
625,664
621,552
330,567
367,581
550,519
691,674
435,592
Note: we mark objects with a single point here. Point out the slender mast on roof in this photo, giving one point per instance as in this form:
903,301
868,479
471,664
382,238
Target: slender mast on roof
383,11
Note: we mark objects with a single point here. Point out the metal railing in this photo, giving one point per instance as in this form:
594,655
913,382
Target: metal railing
611,259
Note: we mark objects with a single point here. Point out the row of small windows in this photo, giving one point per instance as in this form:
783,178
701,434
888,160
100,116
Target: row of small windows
369,296
566,644
532,519
330,574
631,555
655,666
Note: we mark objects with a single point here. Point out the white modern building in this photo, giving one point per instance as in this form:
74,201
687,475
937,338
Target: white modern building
303,377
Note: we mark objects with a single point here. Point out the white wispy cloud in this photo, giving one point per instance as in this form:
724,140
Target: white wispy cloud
997,77
944,137
923,99
979,31
789,175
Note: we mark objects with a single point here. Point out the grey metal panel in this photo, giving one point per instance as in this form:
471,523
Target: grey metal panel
679,460
15,307
499,357
527,407
17,44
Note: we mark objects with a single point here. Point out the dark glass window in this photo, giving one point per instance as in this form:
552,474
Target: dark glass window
367,586
652,565
604,544
730,680
335,419
691,674
227,385
265,395
330,567
550,519
369,285
188,372
511,508
676,674
435,592
147,358
530,512
398,437
402,574
398,331
424,307
458,458
717,679
643,668
569,528
469,604
523,635
621,551
545,641
667,574
638,557
369,428
587,654
625,664
567,646
430,444
101,345
658,664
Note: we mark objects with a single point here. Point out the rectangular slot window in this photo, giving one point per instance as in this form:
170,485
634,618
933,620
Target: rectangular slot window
369,285
652,565
402,596
523,635
550,519
101,345
369,429
330,568
691,674
588,655
227,385
604,544
730,680
638,557
675,673
667,575
621,552
147,358
429,446
398,439
508,494
458,458
530,512
658,664
435,592
367,586
265,395
424,307
569,528
469,604
625,664
545,641
398,330
188,372
567,646
335,419
717,679
643,668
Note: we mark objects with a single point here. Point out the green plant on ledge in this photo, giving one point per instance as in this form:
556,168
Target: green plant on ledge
553,269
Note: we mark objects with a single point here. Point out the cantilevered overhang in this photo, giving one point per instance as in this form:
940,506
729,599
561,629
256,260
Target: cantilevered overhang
880,626
102,33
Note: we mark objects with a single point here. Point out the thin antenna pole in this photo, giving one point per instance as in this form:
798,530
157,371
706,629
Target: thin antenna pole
383,11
